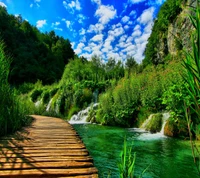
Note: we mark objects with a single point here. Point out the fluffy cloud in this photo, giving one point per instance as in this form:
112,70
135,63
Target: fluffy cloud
56,24
146,16
125,19
72,6
59,29
96,1
2,4
81,18
105,13
136,1
97,28
78,50
136,33
68,23
97,38
82,31
155,2
41,23
133,13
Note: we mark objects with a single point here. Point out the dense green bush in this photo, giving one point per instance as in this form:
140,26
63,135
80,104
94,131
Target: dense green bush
13,111
35,94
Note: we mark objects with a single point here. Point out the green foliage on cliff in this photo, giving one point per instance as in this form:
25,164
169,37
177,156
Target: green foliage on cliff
167,14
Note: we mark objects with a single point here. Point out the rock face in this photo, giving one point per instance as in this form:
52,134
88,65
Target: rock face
178,35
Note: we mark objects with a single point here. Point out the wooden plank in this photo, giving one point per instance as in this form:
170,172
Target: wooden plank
45,159
50,147
46,165
52,172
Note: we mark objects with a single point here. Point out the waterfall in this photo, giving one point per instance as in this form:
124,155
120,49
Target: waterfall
38,103
146,122
81,117
165,117
49,105
164,121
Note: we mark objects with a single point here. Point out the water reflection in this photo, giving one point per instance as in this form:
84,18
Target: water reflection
169,158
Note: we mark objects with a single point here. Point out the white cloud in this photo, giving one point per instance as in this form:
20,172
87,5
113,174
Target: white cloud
31,5
97,38
68,23
72,6
41,23
133,13
82,31
3,5
126,27
81,18
88,49
78,50
98,2
123,38
55,24
136,33
116,31
125,19
137,27
105,13
155,2
73,44
97,28
146,16
60,29
136,1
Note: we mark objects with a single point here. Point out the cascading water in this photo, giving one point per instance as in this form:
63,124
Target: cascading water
49,105
149,136
164,121
38,103
81,117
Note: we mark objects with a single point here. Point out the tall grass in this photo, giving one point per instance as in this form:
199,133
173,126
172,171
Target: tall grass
12,112
192,78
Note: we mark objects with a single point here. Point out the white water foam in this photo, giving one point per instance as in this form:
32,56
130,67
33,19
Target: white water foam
38,103
49,105
81,117
145,135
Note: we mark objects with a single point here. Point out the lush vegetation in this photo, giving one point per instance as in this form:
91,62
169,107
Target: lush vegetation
34,54
167,14
192,79
12,112
127,94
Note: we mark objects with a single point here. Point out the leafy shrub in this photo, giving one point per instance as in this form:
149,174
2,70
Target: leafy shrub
25,88
35,94
46,97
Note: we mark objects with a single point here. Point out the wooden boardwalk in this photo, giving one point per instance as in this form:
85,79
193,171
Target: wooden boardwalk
50,147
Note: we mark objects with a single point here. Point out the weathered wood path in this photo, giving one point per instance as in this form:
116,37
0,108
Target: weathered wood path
50,147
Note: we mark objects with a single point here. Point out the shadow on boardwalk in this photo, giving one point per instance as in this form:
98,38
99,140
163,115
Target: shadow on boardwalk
49,147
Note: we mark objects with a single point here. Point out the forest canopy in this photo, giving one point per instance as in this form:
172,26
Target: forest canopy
33,53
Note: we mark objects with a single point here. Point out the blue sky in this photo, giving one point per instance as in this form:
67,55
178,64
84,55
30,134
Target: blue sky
107,28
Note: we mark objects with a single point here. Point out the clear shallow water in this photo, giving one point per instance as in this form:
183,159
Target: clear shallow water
167,157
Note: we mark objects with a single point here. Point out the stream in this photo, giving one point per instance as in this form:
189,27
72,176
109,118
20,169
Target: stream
167,157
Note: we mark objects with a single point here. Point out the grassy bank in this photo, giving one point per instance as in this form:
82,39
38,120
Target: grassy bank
12,111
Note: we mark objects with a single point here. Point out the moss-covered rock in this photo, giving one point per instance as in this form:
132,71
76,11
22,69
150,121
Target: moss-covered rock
155,123
176,128
171,128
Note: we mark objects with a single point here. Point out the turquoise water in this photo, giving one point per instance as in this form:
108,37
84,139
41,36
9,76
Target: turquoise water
167,157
